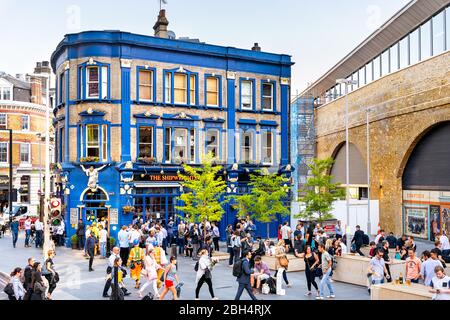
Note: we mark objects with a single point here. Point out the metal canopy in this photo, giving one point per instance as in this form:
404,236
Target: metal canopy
403,22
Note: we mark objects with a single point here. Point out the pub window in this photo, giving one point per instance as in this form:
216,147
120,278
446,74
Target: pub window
4,152
94,82
25,189
25,153
181,145
267,146
267,96
168,88
168,145
25,123
146,85
212,142
3,119
212,91
93,143
145,141
192,145
180,88
247,147
247,95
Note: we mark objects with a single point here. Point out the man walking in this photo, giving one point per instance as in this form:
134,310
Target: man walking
27,226
244,278
327,262
123,237
358,240
27,274
81,232
90,247
115,253
39,227
14,231
377,268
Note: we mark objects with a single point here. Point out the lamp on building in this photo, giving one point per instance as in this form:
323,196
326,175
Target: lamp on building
347,82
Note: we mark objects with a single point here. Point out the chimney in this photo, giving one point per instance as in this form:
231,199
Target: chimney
256,47
161,25
36,89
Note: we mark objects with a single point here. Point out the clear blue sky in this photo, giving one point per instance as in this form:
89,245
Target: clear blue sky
317,33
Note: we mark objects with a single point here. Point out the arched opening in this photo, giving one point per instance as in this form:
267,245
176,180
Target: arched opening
95,209
426,185
358,171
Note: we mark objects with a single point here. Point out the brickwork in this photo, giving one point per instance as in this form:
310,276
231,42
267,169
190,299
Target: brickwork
405,105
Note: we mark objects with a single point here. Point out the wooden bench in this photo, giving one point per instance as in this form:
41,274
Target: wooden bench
219,255
391,291
295,264
353,269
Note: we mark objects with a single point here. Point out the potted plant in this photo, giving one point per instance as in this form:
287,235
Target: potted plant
74,241
147,160
112,242
89,159
127,209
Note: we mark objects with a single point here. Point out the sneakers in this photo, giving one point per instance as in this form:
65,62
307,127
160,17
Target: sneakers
308,293
320,298
289,286
331,296
215,298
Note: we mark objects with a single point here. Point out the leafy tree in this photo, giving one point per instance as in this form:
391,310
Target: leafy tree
203,191
266,197
319,192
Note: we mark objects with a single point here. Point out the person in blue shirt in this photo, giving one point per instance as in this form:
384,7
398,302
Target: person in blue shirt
15,231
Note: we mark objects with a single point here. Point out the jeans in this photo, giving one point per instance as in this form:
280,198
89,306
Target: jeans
15,236
216,243
326,281
380,281
231,259
91,257
81,242
181,243
27,237
445,253
103,249
249,290
39,238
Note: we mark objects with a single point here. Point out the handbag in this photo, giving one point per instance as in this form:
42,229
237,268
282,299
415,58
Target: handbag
284,262
208,274
265,289
9,289
318,272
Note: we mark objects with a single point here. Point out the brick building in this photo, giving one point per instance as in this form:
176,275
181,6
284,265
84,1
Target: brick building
136,107
401,74
22,109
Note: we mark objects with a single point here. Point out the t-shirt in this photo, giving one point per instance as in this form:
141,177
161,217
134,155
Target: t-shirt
27,224
103,235
379,238
442,284
123,239
285,230
427,270
413,268
326,258
377,266
445,243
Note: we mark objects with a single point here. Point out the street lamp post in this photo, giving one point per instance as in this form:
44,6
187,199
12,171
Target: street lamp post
369,223
347,82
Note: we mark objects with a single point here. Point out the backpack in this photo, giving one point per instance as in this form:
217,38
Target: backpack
196,267
149,296
272,285
334,263
366,240
237,268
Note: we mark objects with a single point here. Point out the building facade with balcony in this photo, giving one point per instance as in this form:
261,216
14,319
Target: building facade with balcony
22,109
131,109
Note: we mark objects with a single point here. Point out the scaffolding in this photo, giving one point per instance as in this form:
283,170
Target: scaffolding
303,139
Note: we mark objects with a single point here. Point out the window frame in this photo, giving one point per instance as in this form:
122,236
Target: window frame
6,121
219,90
27,117
82,90
252,153
218,140
274,95
187,159
264,147
169,88
7,152
153,86
152,143
29,153
104,145
252,94
2,92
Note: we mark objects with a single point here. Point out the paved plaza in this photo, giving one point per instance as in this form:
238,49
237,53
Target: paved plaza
79,284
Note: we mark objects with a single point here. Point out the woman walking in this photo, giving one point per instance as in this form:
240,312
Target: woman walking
281,261
50,274
204,274
37,283
170,276
19,290
311,264
150,272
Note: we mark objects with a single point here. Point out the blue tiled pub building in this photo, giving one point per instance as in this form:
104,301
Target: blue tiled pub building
131,109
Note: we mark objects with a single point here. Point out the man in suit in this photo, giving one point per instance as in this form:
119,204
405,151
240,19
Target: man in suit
244,278
358,240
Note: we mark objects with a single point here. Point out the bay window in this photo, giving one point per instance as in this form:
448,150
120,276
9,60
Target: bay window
145,142
247,95
212,142
267,147
180,145
212,91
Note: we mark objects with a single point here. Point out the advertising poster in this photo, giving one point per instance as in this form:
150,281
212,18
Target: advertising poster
416,221
445,218
435,221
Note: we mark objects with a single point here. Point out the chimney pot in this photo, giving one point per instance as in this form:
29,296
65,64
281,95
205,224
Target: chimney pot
256,47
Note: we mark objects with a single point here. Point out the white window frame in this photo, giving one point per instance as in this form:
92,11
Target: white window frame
168,138
213,92
250,82
29,153
145,143
265,147
98,146
243,147
102,87
7,152
2,92
185,146
6,120
104,142
216,144
192,145
271,97
146,85
27,122
192,89
168,87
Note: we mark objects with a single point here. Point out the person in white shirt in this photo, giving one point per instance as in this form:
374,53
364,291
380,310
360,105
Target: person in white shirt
343,247
286,232
440,285
60,233
134,235
443,239
27,226
103,235
123,237
39,227
428,266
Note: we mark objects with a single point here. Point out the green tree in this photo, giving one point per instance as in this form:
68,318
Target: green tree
319,192
203,191
266,198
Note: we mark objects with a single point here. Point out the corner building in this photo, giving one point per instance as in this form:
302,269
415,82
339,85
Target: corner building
135,108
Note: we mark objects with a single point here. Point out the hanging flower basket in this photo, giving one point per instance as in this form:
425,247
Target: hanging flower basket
89,159
128,209
147,160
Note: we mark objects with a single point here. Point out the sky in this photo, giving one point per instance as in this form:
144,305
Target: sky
317,34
